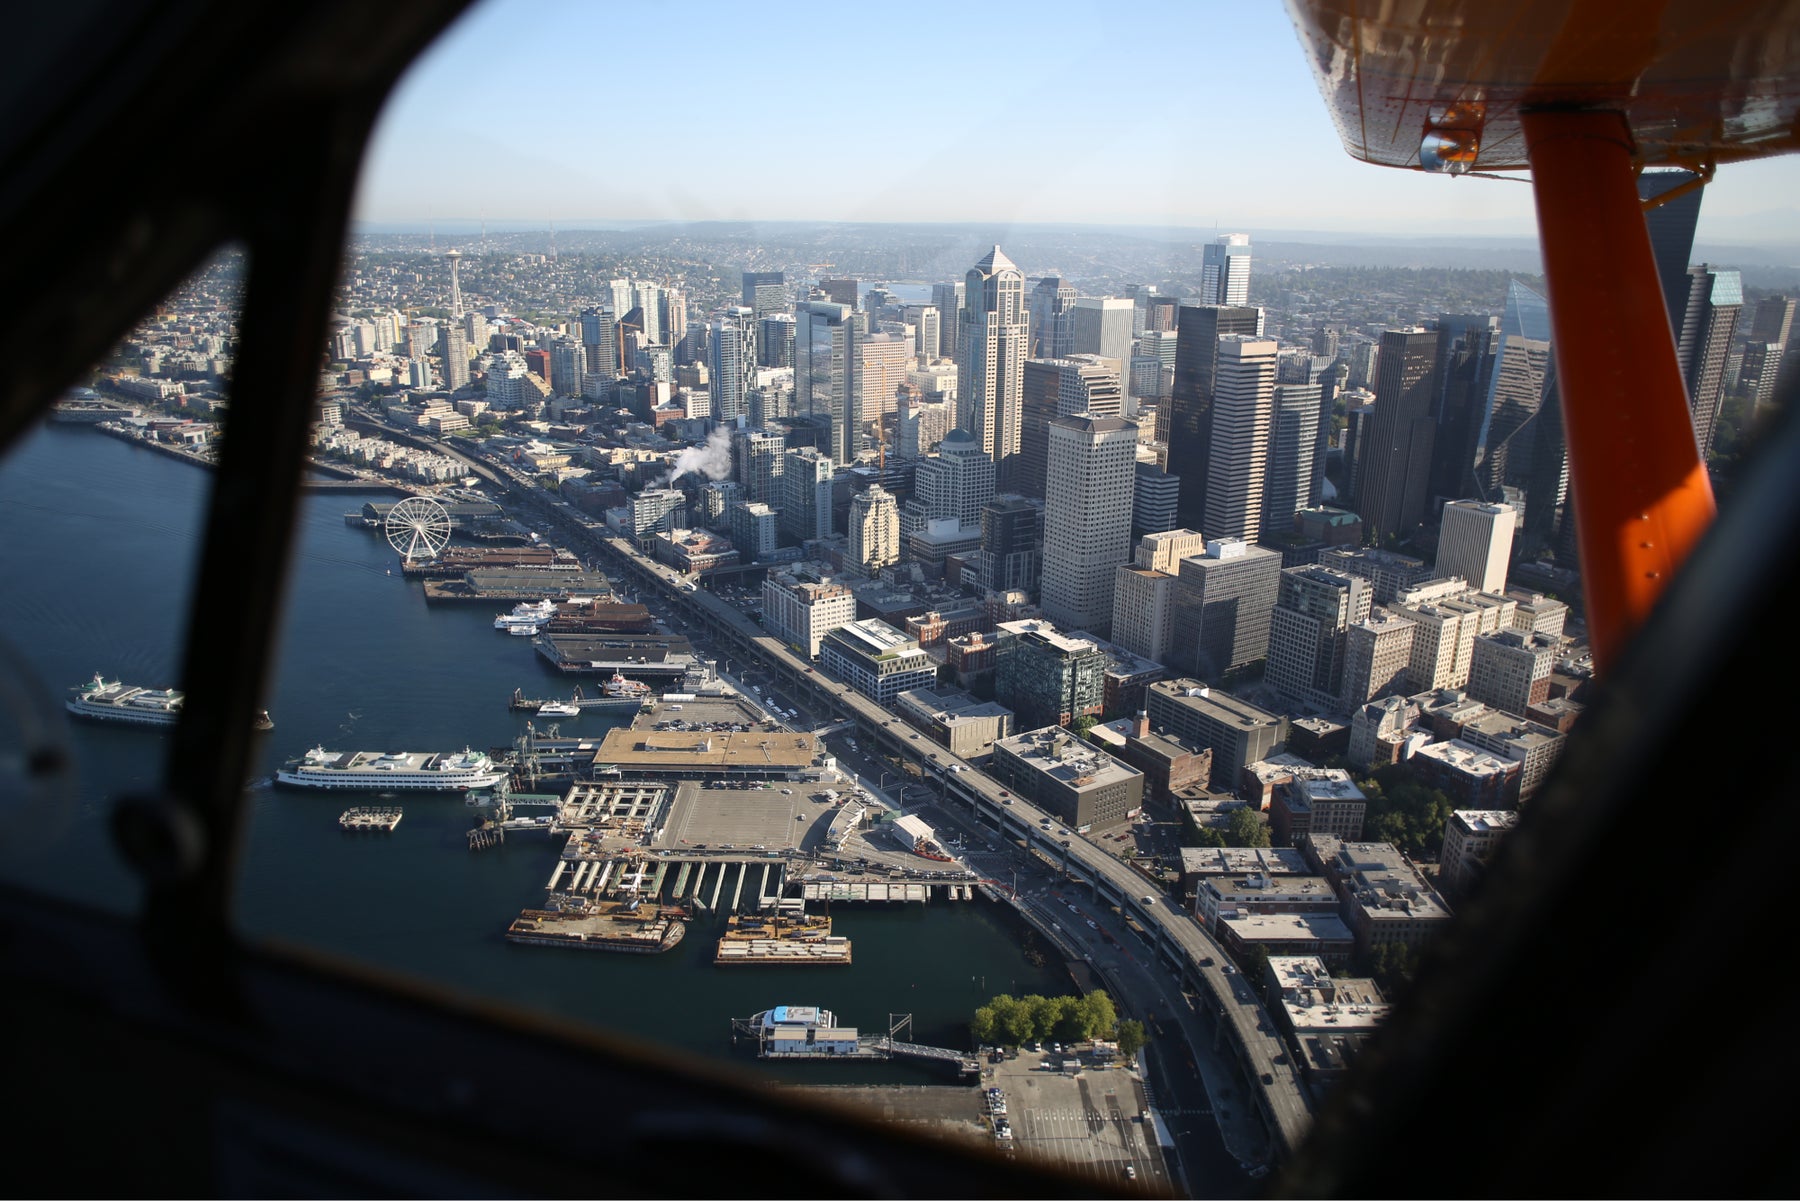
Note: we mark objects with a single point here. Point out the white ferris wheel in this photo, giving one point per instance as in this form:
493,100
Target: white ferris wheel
418,527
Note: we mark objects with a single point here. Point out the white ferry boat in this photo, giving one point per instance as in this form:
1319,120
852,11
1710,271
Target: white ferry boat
124,702
618,686
373,771
527,613
137,706
558,709
522,631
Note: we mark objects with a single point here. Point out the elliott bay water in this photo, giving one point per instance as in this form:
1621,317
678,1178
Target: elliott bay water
103,538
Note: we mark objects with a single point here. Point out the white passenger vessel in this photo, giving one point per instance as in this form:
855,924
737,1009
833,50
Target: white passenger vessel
373,771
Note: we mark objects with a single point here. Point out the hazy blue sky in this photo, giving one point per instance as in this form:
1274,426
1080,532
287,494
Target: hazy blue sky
1188,114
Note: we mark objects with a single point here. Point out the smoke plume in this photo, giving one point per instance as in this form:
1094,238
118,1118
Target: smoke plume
712,459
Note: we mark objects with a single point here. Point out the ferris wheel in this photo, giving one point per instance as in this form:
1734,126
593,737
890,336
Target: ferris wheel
418,527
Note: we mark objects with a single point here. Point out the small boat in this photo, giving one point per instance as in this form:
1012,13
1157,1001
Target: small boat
558,709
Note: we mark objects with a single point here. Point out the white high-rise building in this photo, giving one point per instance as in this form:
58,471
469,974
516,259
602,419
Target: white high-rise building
621,297
1087,518
732,364
1225,270
995,337
927,331
648,297
922,425
874,530
1103,327
958,481
1243,406
1475,542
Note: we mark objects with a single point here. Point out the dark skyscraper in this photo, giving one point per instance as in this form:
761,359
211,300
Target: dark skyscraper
1189,432
765,293
1395,461
1671,227
1505,429
1547,489
1715,301
1464,354
841,291
1052,306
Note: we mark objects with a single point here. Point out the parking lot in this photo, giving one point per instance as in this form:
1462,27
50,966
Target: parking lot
1088,1122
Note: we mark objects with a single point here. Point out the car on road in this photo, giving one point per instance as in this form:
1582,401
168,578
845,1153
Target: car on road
1130,1172
1072,909
1149,900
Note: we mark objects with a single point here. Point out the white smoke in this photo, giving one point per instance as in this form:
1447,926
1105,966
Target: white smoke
711,459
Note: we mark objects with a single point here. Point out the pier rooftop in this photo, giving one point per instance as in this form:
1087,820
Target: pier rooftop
702,754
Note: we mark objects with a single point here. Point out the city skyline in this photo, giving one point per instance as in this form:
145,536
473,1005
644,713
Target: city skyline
1191,162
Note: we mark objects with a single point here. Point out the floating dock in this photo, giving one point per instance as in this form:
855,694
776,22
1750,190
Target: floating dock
798,939
764,952
371,817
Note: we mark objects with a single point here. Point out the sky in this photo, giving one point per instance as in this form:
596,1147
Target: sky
1192,115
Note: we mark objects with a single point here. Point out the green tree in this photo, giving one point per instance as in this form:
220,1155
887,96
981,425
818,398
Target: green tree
1132,1037
1093,1016
1084,723
1244,828
1044,1013
1013,1020
984,1027
1209,836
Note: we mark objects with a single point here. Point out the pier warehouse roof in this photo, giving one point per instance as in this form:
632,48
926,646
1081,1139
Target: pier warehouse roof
702,754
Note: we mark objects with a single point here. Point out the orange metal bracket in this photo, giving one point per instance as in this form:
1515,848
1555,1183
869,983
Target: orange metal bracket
1642,498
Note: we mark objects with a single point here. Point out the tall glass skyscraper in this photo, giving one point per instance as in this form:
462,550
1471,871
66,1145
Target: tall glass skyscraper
1504,434
1189,430
1225,270
826,357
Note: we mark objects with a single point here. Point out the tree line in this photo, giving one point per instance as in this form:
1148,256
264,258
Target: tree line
1009,1021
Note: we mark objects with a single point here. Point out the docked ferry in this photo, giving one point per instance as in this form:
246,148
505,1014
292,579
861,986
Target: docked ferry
116,701
373,771
527,615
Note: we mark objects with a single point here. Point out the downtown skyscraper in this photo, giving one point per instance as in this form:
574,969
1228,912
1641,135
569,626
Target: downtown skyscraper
991,365
1052,307
826,359
1505,432
1709,321
1243,407
1087,518
732,365
1189,430
1225,270
1394,463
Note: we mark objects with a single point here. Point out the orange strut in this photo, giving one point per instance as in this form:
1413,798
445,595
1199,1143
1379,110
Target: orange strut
1642,498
